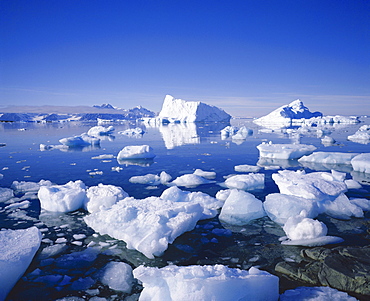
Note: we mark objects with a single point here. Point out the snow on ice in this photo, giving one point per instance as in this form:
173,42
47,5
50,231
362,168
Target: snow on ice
136,152
80,141
152,179
246,182
361,163
284,151
190,180
18,248
362,135
218,283
118,276
99,130
322,293
328,158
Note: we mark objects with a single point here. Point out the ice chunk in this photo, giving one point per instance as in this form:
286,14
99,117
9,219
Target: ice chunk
364,204
79,141
305,231
222,195
284,151
362,135
279,207
149,179
205,174
147,225
178,110
240,208
6,194
246,182
329,158
24,186
327,140
190,180
217,283
361,163
18,247
247,168
342,208
352,184
118,276
242,133
228,131
322,293
136,152
63,198
136,132
103,196
99,130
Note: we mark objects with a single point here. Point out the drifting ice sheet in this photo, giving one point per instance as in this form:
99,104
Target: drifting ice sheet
284,151
329,158
217,283
362,135
246,182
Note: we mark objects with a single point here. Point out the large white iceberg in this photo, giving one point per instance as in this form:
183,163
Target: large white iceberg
284,151
136,152
178,110
217,283
63,198
18,247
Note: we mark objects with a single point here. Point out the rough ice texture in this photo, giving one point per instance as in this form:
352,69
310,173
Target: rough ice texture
24,186
17,250
362,135
135,133
217,283
279,207
240,208
99,130
152,179
178,110
63,198
228,131
284,151
118,276
242,133
146,225
247,168
136,152
190,180
329,158
322,293
246,182
80,141
5,194
361,163
102,197
205,174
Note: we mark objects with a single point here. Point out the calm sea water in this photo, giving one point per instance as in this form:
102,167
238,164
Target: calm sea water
179,149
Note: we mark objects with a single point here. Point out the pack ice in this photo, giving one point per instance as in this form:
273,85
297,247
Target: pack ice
149,225
17,250
178,110
217,283
284,151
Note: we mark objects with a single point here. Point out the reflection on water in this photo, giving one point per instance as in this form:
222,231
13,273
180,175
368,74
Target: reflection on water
138,162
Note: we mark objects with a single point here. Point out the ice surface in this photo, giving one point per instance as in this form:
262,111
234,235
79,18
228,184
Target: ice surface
118,276
284,151
240,208
247,168
362,135
178,110
279,207
152,179
5,194
217,283
147,225
361,163
63,198
136,152
205,174
102,197
23,186
99,130
228,131
329,158
136,132
242,133
322,293
18,247
190,180
79,141
246,182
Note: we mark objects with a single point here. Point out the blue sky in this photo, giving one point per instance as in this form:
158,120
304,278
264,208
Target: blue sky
247,57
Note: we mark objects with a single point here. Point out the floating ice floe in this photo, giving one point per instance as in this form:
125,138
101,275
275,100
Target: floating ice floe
5,194
362,135
240,208
24,186
242,133
80,141
118,276
246,182
205,174
323,293
136,132
152,179
178,110
361,163
136,152
63,198
190,180
104,157
99,130
284,151
328,158
18,248
102,197
304,231
327,140
228,131
247,168
217,283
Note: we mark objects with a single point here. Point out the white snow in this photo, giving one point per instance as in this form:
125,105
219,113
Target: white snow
178,110
284,151
18,247
24,186
63,198
205,174
136,132
246,182
5,194
136,152
102,197
99,130
329,158
240,208
228,131
247,168
152,179
361,163
323,293
80,140
362,135
118,276
190,180
217,283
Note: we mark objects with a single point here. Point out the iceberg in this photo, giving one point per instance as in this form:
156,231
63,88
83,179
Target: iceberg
18,247
80,141
99,130
63,198
362,135
217,283
205,174
240,208
178,110
136,152
246,182
284,151
190,180
152,179
228,131
247,168
242,133
136,132
328,158
361,163
5,194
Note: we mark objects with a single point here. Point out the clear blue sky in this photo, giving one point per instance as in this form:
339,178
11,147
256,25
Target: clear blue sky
247,57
